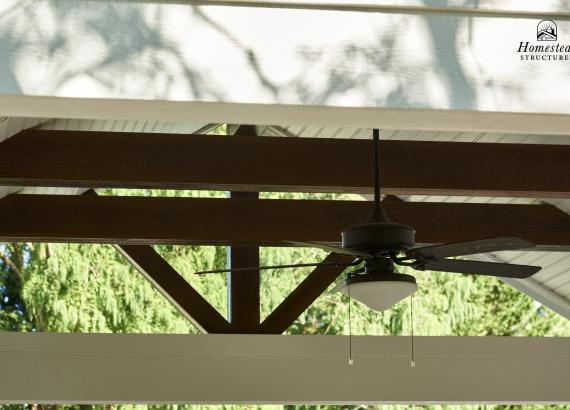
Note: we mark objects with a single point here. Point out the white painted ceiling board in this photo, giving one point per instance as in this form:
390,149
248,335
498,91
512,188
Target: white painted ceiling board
51,191
557,280
424,135
311,369
10,126
565,289
122,126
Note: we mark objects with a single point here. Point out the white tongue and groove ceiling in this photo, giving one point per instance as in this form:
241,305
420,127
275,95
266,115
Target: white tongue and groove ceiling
550,286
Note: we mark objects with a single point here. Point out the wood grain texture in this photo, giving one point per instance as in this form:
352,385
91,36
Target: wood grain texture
143,220
250,163
244,286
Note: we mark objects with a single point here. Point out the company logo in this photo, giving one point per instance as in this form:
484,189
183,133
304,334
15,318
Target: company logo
552,50
546,30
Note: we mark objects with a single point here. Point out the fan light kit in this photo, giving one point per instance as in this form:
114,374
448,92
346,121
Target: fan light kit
379,292
380,244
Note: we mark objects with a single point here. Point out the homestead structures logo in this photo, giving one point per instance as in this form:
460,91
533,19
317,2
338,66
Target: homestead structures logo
546,30
546,47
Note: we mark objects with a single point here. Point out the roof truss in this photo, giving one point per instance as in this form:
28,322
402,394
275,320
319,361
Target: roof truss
252,163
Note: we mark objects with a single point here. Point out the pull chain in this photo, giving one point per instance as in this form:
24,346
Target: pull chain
350,360
413,361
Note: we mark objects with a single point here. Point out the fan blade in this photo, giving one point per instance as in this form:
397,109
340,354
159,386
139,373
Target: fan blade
503,270
503,243
334,249
297,265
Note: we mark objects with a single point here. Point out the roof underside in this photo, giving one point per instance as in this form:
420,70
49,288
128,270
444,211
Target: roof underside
550,286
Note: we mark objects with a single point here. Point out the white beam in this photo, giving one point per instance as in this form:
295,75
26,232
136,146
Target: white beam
120,368
491,8
218,112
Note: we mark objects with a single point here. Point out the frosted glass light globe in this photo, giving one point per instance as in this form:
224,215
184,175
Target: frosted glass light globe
379,292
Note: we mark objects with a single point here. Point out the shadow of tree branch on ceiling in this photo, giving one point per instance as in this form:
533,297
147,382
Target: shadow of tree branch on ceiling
133,43
127,50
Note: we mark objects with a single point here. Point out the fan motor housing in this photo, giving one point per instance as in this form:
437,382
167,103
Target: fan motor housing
378,237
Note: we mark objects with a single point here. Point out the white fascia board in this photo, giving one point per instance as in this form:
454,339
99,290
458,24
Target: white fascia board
217,369
519,8
263,114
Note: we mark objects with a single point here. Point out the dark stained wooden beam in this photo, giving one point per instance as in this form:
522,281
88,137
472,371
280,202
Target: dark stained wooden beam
303,296
243,287
144,220
243,290
250,163
174,288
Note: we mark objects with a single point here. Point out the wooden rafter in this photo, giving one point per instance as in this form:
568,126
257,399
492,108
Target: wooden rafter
303,295
144,220
174,288
243,287
250,163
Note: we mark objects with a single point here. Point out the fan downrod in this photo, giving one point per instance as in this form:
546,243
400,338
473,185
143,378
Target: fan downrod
379,235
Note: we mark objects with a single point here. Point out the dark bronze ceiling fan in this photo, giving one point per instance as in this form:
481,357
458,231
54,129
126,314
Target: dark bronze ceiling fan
380,244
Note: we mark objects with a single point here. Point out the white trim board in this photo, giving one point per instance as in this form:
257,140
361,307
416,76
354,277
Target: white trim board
264,114
121,368
486,8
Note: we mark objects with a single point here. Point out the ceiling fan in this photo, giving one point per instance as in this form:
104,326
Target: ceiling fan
380,244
